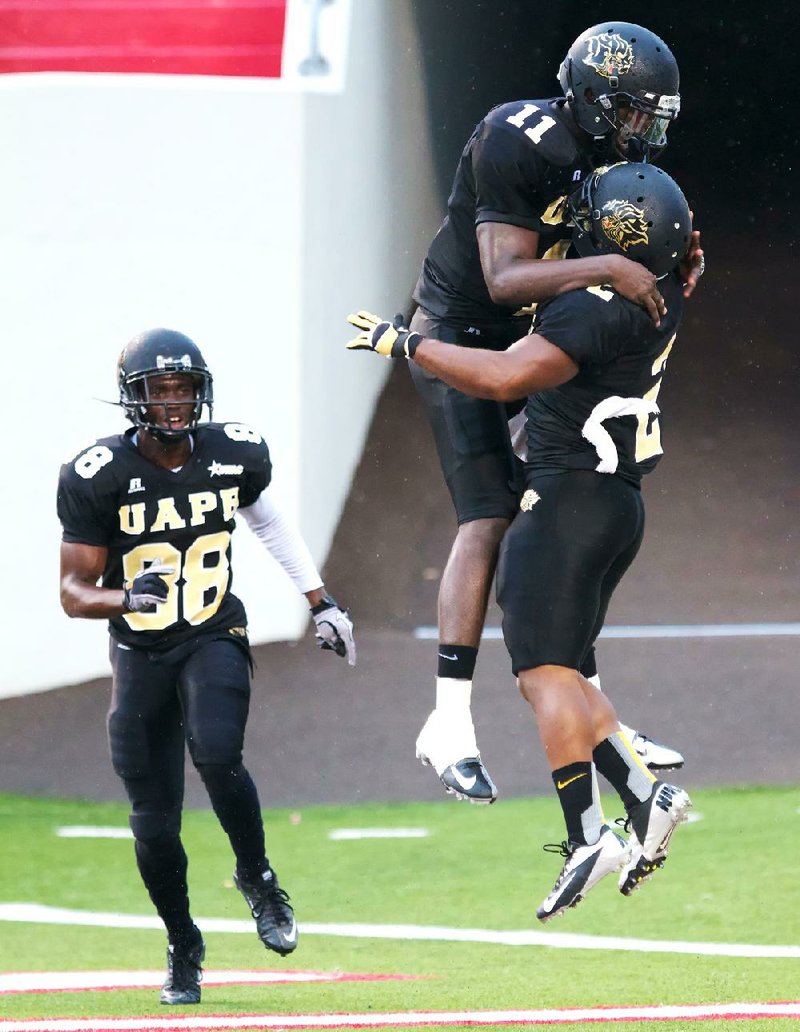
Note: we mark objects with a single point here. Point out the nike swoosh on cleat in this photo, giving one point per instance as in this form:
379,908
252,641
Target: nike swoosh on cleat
292,935
563,784
443,656
466,783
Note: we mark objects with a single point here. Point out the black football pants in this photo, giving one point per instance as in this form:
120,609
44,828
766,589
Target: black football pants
157,705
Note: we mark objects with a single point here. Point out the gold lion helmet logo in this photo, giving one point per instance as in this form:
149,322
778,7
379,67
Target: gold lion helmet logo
609,54
623,223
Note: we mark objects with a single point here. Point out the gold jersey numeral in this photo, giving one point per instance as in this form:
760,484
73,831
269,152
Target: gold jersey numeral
192,569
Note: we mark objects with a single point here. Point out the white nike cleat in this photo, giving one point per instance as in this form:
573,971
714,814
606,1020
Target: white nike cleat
583,869
653,754
449,746
652,824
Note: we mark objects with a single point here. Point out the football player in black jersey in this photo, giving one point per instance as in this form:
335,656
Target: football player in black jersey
147,520
480,280
592,365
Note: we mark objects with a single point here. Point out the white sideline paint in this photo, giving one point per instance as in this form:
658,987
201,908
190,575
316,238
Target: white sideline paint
35,913
351,834
92,831
50,981
207,1023
743,630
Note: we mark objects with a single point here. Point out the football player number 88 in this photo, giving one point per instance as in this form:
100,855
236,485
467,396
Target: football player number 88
191,599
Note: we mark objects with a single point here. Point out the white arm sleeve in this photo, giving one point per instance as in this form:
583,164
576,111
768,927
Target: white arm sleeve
283,541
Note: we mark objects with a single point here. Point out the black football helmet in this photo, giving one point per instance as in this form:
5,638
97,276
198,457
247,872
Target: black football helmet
156,353
623,79
634,210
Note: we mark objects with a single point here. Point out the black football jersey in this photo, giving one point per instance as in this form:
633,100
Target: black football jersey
113,497
606,417
518,167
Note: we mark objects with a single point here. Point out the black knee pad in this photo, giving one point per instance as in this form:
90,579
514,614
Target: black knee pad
156,826
220,777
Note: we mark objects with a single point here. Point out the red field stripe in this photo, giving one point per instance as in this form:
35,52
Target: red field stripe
410,1019
170,36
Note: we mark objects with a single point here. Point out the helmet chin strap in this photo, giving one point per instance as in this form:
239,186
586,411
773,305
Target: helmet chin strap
168,436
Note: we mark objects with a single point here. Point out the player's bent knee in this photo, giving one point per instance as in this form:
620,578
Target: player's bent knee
156,826
482,535
221,776
544,678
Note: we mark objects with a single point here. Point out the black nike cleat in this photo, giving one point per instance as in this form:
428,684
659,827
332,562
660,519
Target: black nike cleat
273,914
184,974
469,780
449,747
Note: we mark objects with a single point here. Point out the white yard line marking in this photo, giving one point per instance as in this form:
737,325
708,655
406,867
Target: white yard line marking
92,831
34,913
75,981
743,630
213,1023
351,834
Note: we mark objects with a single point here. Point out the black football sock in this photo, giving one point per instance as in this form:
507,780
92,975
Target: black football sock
620,765
162,864
576,786
234,798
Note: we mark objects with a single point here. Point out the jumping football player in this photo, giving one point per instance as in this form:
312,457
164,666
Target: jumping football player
592,365
147,520
483,273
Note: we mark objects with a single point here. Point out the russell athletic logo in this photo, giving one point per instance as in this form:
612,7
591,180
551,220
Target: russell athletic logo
623,223
609,54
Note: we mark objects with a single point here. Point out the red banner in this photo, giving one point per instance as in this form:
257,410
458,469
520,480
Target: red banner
183,37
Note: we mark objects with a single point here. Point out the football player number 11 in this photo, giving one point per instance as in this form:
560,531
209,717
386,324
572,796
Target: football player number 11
537,129
202,586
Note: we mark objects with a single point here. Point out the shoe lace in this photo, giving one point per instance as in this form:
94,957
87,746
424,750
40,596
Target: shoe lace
624,823
273,899
560,848
185,969
563,849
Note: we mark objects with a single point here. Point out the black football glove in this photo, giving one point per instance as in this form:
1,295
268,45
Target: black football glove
147,590
391,339
334,628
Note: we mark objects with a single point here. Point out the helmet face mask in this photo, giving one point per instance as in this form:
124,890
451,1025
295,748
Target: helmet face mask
150,372
634,210
621,79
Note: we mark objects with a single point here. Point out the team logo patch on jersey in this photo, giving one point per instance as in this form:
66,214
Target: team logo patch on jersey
238,632
609,54
221,469
623,223
529,499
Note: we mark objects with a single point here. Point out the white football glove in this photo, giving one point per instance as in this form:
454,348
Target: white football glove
334,628
148,589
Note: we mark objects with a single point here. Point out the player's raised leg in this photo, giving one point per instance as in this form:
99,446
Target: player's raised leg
567,722
447,740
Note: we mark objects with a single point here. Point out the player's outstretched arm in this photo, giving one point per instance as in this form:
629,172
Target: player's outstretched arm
283,541
531,364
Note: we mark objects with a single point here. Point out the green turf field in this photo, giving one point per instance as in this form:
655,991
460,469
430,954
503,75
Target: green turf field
731,878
